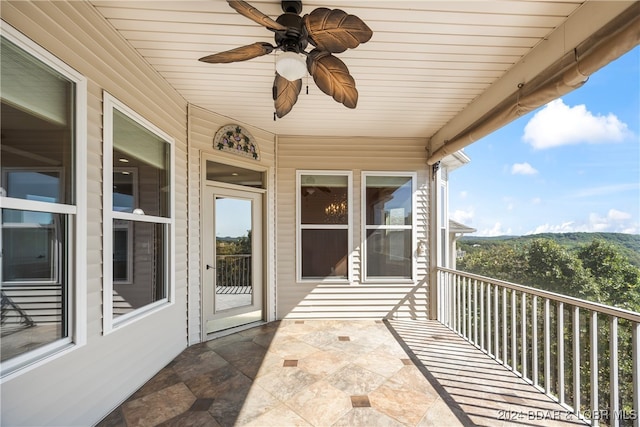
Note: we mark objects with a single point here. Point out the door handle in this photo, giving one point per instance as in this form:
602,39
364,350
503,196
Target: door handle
209,267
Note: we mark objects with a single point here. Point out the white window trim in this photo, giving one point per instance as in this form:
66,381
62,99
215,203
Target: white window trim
109,323
77,299
348,226
413,227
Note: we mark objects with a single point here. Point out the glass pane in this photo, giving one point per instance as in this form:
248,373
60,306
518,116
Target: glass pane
122,245
389,253
146,158
388,200
34,280
234,175
42,186
325,253
125,189
323,199
146,261
37,132
234,280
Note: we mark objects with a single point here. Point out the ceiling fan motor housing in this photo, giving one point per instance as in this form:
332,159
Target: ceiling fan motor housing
292,6
294,39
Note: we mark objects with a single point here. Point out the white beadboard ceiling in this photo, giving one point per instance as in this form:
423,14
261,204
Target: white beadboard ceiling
426,62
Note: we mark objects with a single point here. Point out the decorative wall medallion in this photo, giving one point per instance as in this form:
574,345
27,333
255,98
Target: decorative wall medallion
236,139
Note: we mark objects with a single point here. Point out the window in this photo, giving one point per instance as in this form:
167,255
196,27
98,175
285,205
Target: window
388,219
324,225
138,215
42,187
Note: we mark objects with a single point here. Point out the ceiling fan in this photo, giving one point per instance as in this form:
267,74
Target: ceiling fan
328,30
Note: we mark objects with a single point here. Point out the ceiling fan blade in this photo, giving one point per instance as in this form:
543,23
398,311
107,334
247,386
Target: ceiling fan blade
242,53
334,30
332,77
245,9
285,94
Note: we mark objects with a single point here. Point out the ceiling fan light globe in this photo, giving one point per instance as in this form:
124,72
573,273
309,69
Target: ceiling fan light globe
292,66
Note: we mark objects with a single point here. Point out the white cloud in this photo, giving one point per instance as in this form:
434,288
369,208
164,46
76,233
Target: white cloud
523,169
565,227
617,215
463,216
463,194
558,124
614,221
607,190
536,201
496,230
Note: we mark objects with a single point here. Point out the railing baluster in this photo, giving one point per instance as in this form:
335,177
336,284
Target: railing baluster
489,319
635,340
450,293
482,315
458,306
534,340
491,328
475,312
514,331
547,348
496,329
576,360
523,333
504,326
594,367
464,307
452,311
560,344
614,409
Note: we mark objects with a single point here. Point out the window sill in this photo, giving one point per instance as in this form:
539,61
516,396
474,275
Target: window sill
136,315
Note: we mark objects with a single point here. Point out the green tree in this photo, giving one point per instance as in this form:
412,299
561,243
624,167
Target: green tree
551,267
502,261
617,279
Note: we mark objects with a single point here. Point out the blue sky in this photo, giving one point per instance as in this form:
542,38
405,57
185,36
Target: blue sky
571,165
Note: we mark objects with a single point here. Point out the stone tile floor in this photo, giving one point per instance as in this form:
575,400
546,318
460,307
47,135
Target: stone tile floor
337,373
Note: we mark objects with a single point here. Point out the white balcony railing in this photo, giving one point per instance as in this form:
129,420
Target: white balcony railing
584,355
233,274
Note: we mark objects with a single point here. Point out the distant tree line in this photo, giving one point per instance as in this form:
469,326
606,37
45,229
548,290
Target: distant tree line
597,271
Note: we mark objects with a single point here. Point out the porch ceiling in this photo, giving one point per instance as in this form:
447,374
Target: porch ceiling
427,63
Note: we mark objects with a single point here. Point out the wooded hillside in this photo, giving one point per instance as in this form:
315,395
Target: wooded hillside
628,244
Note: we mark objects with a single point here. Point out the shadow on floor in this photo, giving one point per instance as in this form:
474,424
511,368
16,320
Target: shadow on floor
337,373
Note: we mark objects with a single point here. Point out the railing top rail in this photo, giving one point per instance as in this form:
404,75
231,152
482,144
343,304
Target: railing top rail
601,308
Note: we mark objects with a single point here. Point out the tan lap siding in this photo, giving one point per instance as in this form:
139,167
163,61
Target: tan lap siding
358,299
82,386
